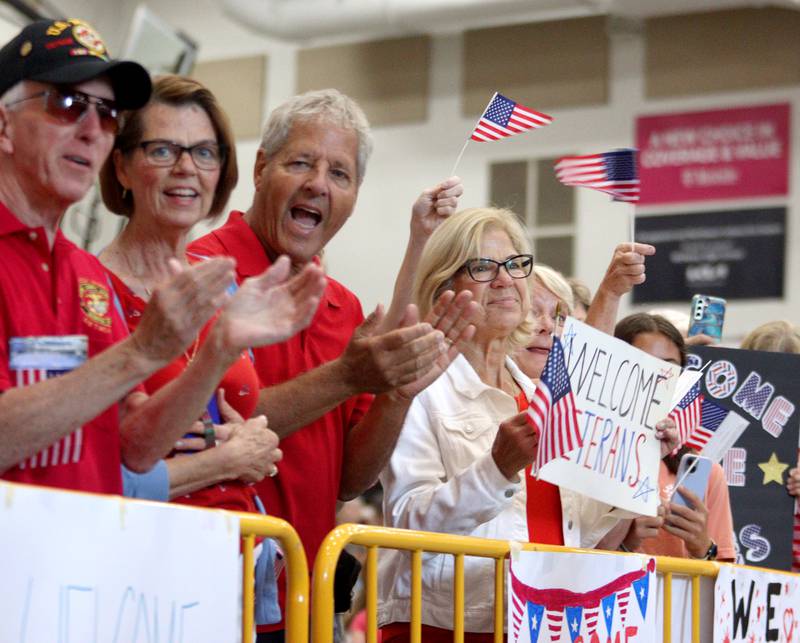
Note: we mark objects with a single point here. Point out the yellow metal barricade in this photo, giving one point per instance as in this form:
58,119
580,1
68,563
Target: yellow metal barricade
252,525
418,542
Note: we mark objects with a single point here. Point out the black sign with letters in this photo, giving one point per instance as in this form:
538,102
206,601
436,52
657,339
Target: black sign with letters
735,254
764,389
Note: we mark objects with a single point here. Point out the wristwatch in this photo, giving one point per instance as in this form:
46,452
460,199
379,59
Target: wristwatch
711,554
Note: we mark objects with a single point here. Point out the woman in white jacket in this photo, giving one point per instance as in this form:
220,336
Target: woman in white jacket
459,465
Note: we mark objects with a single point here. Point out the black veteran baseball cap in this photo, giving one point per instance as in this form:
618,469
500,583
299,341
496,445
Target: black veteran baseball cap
66,52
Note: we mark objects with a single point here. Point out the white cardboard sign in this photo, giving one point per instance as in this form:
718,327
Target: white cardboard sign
756,605
83,568
620,394
581,598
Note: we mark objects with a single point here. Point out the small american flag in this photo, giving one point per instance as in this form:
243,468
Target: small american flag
503,117
686,413
552,409
614,173
712,417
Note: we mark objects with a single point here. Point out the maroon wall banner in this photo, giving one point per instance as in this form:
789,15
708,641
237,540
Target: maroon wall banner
716,154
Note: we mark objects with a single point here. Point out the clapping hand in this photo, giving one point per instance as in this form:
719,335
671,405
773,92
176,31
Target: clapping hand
271,307
179,308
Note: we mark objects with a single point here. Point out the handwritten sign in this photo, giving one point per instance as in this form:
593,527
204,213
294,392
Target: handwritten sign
79,567
764,390
753,605
581,598
620,394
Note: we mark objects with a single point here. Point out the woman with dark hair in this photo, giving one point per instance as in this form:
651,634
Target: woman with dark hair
703,529
174,164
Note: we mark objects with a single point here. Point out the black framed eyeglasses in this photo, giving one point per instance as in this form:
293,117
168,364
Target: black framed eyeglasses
71,106
481,269
163,153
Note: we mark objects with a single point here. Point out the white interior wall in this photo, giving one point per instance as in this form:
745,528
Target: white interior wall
408,158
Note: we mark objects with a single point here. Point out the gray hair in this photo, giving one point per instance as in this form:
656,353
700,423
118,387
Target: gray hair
13,93
329,105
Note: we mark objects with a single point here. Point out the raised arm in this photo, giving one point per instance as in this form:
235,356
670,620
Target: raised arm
432,207
626,270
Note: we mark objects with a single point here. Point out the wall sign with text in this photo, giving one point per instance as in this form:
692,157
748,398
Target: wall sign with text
736,254
715,154
764,389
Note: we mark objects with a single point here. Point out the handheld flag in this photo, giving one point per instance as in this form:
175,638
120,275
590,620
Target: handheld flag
503,117
718,431
614,173
552,409
686,413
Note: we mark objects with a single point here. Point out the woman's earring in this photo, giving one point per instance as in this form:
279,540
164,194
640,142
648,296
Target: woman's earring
124,193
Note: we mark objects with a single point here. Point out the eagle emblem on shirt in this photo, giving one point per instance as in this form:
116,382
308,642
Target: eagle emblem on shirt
95,304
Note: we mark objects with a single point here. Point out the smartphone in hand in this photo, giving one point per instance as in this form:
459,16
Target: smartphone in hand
707,315
693,473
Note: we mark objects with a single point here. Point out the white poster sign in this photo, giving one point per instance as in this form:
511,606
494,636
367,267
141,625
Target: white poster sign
80,568
581,598
754,605
620,395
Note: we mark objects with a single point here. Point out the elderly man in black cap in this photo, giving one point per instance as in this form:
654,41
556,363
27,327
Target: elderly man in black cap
70,410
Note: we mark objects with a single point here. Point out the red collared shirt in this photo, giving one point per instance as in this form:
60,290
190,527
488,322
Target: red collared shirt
240,384
63,291
306,490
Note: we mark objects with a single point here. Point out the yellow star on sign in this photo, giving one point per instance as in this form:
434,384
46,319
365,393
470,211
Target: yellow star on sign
773,470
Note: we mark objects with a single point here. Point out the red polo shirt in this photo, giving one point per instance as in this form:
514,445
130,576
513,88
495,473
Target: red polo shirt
307,487
240,384
63,291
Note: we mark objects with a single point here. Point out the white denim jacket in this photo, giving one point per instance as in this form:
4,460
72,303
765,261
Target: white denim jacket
442,477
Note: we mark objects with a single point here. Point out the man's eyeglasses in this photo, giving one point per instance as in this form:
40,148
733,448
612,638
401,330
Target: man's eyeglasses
518,267
70,106
163,153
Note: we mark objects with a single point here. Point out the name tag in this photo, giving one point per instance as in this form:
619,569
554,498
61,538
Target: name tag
52,355
35,359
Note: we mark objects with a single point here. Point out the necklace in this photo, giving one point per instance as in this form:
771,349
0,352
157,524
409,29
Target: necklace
137,277
195,345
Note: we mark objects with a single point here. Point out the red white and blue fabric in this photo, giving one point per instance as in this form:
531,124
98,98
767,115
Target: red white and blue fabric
712,417
504,117
613,173
686,413
552,409
553,608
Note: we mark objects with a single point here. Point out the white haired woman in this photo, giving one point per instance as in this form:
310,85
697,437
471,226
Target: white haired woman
458,465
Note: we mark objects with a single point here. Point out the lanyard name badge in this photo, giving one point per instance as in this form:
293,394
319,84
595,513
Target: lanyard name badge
47,356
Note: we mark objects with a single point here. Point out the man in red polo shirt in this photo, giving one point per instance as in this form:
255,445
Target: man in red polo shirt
337,393
65,358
